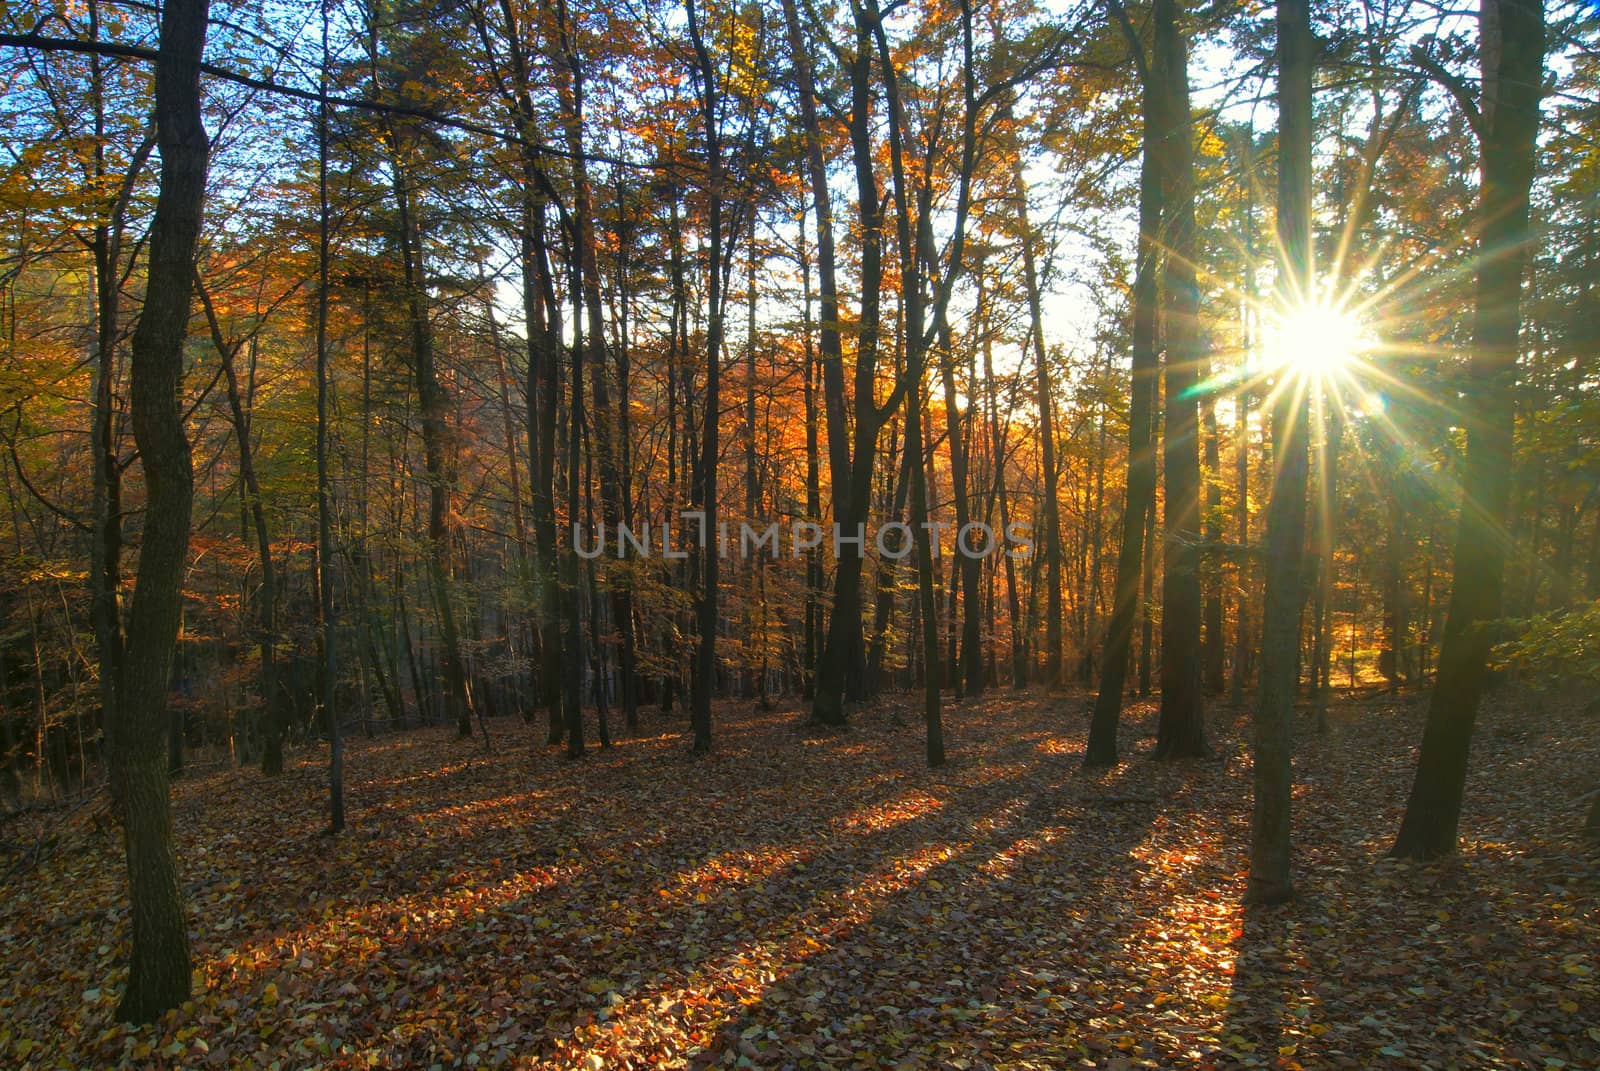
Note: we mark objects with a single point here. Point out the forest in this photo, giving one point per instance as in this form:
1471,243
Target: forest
899,533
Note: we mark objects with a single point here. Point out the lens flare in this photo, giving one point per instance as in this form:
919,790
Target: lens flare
1318,341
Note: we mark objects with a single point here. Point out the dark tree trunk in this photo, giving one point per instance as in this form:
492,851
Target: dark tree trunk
1102,744
105,565
542,317
326,625
1327,525
1216,642
830,343
844,624
1180,730
1511,36
923,322
571,599
604,447
997,435
705,676
543,390
1241,626
883,610
1051,519
808,666
159,968
967,668
622,463
932,719
1147,642
435,405
1096,536
1271,879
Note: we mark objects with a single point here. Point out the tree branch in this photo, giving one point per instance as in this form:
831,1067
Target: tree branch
39,42
1453,84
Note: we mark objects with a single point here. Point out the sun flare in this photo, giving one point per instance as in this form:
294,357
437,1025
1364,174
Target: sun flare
1318,341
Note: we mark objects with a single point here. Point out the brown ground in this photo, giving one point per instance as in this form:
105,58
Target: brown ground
805,900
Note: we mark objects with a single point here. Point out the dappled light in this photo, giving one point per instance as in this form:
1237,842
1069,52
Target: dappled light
1052,916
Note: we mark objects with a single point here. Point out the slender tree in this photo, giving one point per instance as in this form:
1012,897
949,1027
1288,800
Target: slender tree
158,973
705,675
1141,485
325,620
1271,880
1180,730
1511,37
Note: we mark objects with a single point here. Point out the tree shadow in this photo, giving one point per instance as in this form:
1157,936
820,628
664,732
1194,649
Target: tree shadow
867,993
1265,973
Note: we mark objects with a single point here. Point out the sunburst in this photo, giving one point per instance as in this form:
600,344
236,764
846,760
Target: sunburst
1318,342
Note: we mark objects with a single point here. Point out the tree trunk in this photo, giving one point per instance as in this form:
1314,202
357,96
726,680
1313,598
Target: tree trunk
1180,731
326,626
844,624
159,971
267,604
705,676
435,405
1331,428
1096,535
1241,626
604,447
883,610
1147,603
1511,35
571,569
813,479
1216,643
543,389
829,340
967,669
1047,441
1271,878
998,435
105,553
1102,744
932,720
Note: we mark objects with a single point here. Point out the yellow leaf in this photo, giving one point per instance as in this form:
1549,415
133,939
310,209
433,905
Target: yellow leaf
269,995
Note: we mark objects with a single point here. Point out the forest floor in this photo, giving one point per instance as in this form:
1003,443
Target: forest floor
815,900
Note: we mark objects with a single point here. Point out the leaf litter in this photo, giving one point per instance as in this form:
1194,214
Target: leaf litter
822,900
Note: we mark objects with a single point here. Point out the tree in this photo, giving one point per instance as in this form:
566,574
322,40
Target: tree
1180,731
402,141
844,624
158,974
1101,749
267,597
1506,120
325,620
1273,737
720,253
